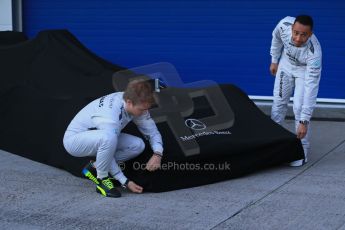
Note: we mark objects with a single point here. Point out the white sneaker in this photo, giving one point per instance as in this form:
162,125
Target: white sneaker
298,163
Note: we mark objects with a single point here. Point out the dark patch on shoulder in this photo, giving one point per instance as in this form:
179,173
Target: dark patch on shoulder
120,115
311,47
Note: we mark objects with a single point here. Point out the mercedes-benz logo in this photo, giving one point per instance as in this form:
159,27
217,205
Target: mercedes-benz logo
195,124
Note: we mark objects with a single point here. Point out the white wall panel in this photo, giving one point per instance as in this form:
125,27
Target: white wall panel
5,15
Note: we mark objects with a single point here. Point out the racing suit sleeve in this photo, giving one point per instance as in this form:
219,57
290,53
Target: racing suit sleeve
148,128
276,45
311,86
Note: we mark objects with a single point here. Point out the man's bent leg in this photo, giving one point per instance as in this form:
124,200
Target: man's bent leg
128,147
82,144
105,153
99,143
102,144
281,96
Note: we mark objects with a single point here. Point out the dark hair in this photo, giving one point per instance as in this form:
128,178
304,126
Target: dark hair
305,20
139,91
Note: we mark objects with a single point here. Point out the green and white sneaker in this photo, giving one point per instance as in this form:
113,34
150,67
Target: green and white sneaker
104,186
107,188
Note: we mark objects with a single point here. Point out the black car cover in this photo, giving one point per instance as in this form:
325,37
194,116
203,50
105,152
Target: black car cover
45,81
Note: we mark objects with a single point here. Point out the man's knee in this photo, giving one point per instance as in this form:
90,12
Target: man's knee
280,102
108,139
136,147
278,111
139,146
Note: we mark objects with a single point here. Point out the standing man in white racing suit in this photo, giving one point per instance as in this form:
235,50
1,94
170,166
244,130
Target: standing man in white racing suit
296,64
96,131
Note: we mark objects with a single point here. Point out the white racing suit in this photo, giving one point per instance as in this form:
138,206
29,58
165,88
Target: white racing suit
96,131
299,69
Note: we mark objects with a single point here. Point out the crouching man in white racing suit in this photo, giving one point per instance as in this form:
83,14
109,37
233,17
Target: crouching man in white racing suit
296,64
96,131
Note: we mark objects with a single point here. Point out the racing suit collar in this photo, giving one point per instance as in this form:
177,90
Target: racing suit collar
124,109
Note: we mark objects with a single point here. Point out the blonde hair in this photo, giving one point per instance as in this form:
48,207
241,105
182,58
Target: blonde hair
139,91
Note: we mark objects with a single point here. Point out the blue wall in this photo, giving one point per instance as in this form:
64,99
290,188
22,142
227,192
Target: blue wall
225,41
